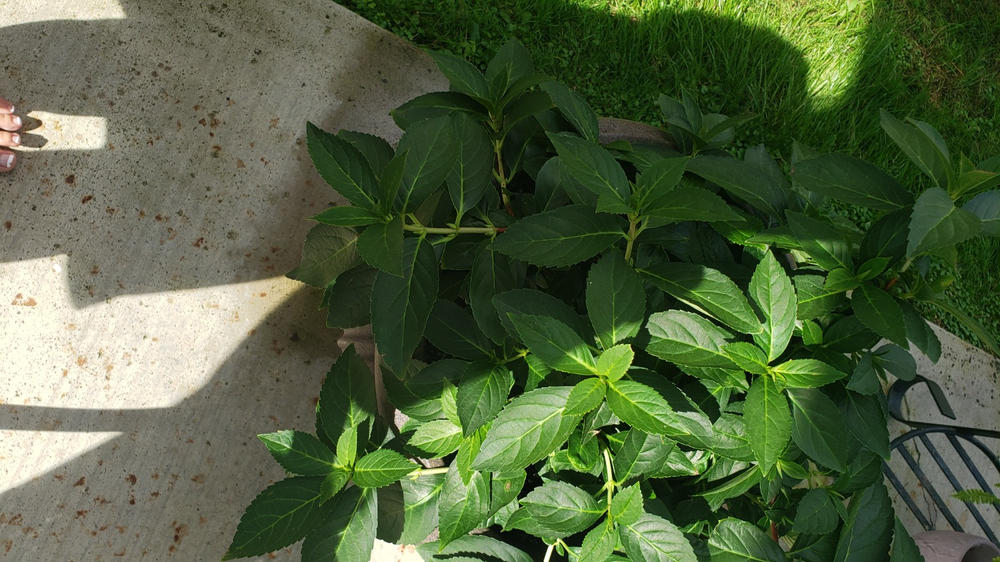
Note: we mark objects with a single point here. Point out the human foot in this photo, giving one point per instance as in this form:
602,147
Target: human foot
9,125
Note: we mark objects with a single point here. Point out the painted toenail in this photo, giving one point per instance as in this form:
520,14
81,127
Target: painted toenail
15,139
6,160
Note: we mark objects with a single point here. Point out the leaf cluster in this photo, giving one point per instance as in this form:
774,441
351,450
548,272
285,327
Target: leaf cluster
622,351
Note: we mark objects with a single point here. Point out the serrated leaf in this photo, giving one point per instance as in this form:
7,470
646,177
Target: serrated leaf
841,280
437,437
815,514
492,273
640,453
562,507
562,236
880,312
920,333
376,150
743,180
807,373
451,329
350,298
482,546
615,361
347,533
769,423
505,487
401,305
509,65
280,515
771,290
735,486
654,539
627,506
642,407
706,290
522,520
824,244
851,180
351,443
868,529
747,356
574,108
864,379
347,398
419,396
467,452
463,76
328,252
299,453
534,302
482,394
342,166
616,301
937,223
657,184
817,428
348,215
435,104
333,483
922,144
986,206
599,544
472,175
529,428
585,396
381,468
462,507
381,246
897,361
814,299
691,203
554,343
420,507
431,152
735,540
887,236
866,422
687,339
595,168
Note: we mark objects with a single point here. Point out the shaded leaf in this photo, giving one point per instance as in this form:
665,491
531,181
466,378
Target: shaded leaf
596,169
880,312
743,180
616,301
986,206
554,343
851,180
328,252
451,329
868,529
462,507
492,273
342,166
401,305
482,394
280,515
816,514
771,290
769,423
299,453
866,422
472,175
817,427
347,398
346,216
381,246
431,152
562,236
824,244
574,108
937,223
350,297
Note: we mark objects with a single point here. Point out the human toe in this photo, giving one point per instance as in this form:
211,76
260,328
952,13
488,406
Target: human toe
7,160
10,122
9,139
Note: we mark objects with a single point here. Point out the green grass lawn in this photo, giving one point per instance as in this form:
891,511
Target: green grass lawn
816,71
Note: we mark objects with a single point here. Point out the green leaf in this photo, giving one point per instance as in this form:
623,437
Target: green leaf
492,273
463,76
280,515
381,468
743,180
381,246
431,152
349,446
937,223
986,206
771,290
298,452
467,452
851,180
706,290
872,268
534,302
616,301
969,322
347,533
486,547
574,108
350,298
691,203
346,216
657,184
903,547
462,507
522,107
505,487
842,280
472,175
451,329
334,481
922,144
562,507
735,540
585,396
342,166
328,252
687,339
420,507
747,356
562,236
529,428
642,407
510,64
816,514
626,505
864,379
812,334
596,169
868,529
376,150
347,398
897,361
818,427
401,305
554,343
866,422
435,104
919,332
735,486
482,394
887,236
640,453
615,361
824,244
599,544
880,312
814,299
807,373
654,539
419,396
769,423
522,520
437,437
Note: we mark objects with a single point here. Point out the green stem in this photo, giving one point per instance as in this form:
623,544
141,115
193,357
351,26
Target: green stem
633,232
610,480
565,546
421,229
427,472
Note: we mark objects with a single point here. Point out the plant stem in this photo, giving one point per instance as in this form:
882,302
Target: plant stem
421,229
610,480
501,176
632,234
428,471
548,552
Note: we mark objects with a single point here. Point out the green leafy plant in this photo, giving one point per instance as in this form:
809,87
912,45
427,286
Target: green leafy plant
608,352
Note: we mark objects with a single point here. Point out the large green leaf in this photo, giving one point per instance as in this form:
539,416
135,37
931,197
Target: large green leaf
375,149
654,539
509,68
706,290
627,505
347,533
562,236
418,395
529,428
824,244
596,169
381,246
986,206
347,215
328,252
342,166
492,273
866,422
919,332
771,290
880,312
818,427
922,144
420,507
868,529
437,437
534,302
555,343
616,301
743,180
481,547
615,361
691,203
731,488
401,305
463,76
435,104
814,299
816,513
350,298
451,329
599,544
472,175
482,394
562,507
687,339
640,453
735,540
280,515
657,184
807,373
299,453
431,149
347,398
644,408
381,468
585,396
462,507
769,423
937,223
574,108
851,180
505,487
